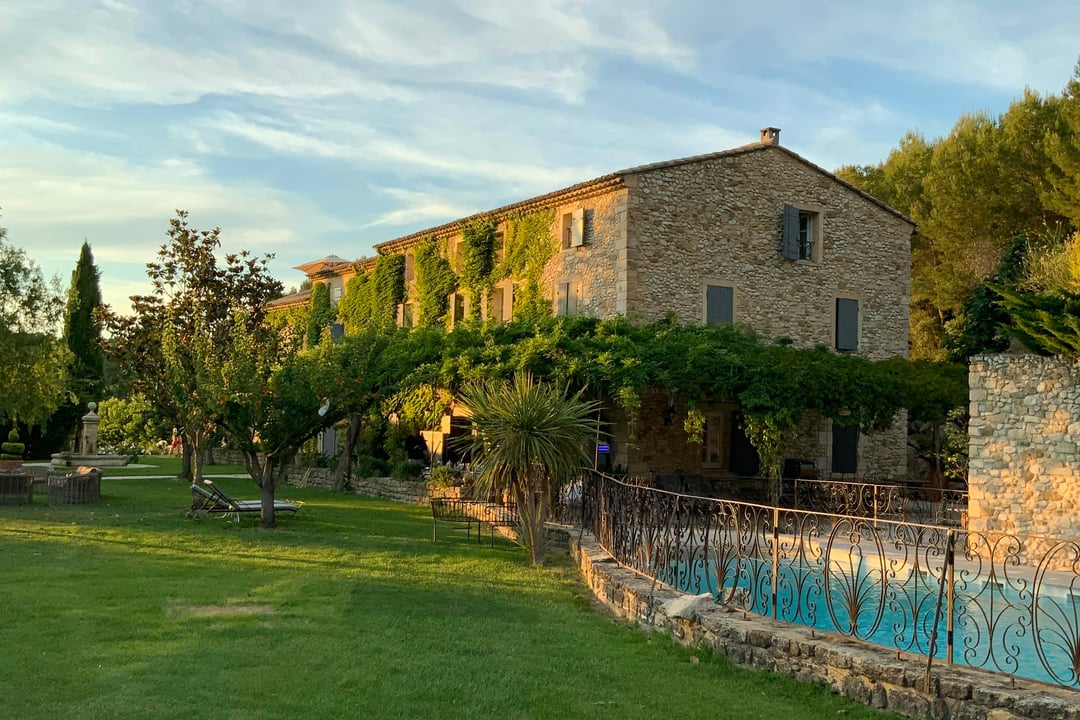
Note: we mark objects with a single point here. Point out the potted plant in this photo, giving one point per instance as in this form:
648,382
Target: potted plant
12,456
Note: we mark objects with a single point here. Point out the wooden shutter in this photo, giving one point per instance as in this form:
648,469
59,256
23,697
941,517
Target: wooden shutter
573,297
562,295
577,228
845,448
847,324
791,232
719,305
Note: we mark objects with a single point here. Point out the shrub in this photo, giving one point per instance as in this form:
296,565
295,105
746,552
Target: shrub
367,466
444,476
12,449
408,470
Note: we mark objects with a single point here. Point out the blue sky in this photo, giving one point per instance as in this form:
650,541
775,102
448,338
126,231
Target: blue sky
326,126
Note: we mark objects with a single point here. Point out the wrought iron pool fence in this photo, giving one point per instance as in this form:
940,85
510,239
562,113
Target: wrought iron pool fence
996,602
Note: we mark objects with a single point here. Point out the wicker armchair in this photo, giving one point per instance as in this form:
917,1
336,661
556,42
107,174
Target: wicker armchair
16,487
82,487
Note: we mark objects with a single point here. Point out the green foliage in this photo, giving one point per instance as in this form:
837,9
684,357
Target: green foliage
372,298
435,280
477,262
1048,324
529,247
82,327
321,314
12,449
291,323
203,320
33,361
970,193
530,437
130,422
444,476
1062,145
980,327
368,466
408,470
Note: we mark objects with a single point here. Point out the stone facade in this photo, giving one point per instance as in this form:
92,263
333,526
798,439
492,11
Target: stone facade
874,676
654,237
1023,455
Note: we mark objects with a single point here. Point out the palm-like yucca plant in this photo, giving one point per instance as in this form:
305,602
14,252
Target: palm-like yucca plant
530,437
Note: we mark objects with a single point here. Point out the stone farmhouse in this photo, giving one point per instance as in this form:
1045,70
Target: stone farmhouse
755,235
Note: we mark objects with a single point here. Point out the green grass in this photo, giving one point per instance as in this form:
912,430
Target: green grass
348,610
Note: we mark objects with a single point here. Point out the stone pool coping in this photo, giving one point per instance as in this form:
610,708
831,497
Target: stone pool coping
872,675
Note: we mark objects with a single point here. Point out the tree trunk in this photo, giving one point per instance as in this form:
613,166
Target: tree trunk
341,471
266,516
185,460
531,516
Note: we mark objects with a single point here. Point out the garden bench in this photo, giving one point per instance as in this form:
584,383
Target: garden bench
472,512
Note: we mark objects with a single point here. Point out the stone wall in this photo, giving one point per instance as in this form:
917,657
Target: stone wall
874,676
1023,456
599,265
718,221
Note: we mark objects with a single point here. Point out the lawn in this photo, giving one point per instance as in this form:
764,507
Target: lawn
348,610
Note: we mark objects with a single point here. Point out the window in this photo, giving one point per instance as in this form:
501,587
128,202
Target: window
567,297
458,308
500,303
337,290
572,229
802,234
847,324
806,235
405,315
719,305
500,247
845,448
410,267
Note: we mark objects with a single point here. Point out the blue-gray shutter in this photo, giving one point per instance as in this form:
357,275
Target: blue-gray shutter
847,324
791,232
845,448
719,302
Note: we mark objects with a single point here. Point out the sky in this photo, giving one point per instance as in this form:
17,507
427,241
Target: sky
305,129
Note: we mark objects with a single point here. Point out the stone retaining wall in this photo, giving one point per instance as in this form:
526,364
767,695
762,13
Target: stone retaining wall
874,676
1023,454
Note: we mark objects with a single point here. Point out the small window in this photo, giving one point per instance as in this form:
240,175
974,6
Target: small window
572,229
405,315
847,324
845,449
410,267
567,298
802,234
806,235
458,308
719,305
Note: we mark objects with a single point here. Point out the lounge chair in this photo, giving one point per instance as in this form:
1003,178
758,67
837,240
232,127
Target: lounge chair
209,499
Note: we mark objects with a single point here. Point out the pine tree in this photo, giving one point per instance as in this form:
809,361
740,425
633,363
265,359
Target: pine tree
1063,147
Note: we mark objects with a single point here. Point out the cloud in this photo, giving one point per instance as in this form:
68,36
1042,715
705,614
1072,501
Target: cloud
55,197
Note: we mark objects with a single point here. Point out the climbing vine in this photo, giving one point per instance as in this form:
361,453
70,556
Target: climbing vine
529,247
477,262
371,298
435,280
321,314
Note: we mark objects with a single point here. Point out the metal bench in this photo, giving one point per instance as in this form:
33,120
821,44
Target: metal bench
472,512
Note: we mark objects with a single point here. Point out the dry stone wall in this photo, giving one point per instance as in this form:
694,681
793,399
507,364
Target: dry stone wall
874,676
1024,465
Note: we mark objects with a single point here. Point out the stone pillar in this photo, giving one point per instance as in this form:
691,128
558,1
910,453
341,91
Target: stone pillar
88,440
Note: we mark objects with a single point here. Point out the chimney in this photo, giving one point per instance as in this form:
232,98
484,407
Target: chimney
770,136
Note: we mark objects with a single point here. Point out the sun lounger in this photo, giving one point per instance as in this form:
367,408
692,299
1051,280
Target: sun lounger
209,499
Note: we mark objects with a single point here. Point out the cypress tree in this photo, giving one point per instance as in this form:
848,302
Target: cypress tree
82,331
